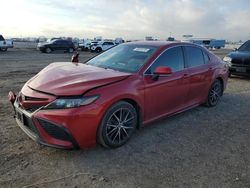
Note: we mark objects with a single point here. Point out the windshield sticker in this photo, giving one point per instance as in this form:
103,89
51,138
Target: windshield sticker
141,49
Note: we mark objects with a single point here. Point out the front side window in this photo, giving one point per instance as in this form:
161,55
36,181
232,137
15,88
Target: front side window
172,58
245,46
124,58
194,56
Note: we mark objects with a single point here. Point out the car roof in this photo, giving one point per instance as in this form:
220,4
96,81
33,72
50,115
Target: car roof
159,43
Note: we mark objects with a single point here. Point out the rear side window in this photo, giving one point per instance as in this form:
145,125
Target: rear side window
172,58
194,56
206,58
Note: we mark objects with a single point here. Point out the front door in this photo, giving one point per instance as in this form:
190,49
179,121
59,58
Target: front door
167,94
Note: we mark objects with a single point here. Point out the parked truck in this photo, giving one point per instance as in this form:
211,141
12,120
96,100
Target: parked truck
5,44
209,43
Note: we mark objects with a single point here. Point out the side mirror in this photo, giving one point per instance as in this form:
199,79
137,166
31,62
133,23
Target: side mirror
235,49
161,71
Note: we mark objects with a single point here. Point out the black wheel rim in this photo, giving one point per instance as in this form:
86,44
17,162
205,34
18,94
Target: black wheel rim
215,93
120,126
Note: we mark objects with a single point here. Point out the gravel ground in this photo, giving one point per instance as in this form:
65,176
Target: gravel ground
202,147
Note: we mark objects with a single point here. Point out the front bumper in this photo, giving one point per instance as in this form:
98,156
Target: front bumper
62,128
33,128
239,70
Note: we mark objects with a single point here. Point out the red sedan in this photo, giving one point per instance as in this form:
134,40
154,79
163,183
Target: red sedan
106,99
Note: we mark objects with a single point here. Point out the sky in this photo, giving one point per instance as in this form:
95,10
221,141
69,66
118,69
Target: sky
129,19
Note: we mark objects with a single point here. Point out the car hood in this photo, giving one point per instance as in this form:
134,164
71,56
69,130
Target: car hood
65,79
239,54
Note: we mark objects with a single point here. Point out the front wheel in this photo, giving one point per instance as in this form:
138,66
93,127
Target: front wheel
98,50
3,49
118,125
214,93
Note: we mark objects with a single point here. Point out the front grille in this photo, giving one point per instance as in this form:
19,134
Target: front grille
27,98
34,108
237,61
55,131
247,61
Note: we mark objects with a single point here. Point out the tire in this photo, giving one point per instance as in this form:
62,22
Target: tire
214,94
71,50
48,50
3,49
98,50
118,125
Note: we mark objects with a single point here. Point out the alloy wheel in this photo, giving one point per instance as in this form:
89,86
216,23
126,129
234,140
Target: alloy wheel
215,93
120,125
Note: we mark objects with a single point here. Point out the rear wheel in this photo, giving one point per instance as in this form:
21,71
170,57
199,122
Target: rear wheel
214,93
48,50
118,125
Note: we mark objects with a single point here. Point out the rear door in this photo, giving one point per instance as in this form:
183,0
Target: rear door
168,94
64,45
200,74
56,45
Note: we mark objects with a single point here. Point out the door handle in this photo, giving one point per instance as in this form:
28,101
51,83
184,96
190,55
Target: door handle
185,75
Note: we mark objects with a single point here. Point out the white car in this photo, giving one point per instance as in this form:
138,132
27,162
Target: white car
84,46
5,44
102,46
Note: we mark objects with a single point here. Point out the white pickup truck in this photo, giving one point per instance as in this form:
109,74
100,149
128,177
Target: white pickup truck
5,44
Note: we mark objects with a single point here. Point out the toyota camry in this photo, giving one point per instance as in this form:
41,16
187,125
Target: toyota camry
106,99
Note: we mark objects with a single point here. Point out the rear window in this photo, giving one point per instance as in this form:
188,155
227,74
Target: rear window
194,56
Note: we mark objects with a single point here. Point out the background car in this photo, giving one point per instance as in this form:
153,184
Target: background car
239,60
5,44
84,46
104,100
57,44
102,46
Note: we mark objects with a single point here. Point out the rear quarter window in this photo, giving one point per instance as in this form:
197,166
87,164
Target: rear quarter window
206,57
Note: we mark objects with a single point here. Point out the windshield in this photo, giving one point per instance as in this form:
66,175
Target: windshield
124,58
1,38
245,46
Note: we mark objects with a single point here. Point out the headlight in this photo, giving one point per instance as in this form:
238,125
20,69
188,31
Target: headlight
71,102
227,59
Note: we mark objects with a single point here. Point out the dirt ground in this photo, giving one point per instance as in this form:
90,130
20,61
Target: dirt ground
202,147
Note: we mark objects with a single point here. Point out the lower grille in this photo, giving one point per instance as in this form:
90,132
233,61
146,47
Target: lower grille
55,131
